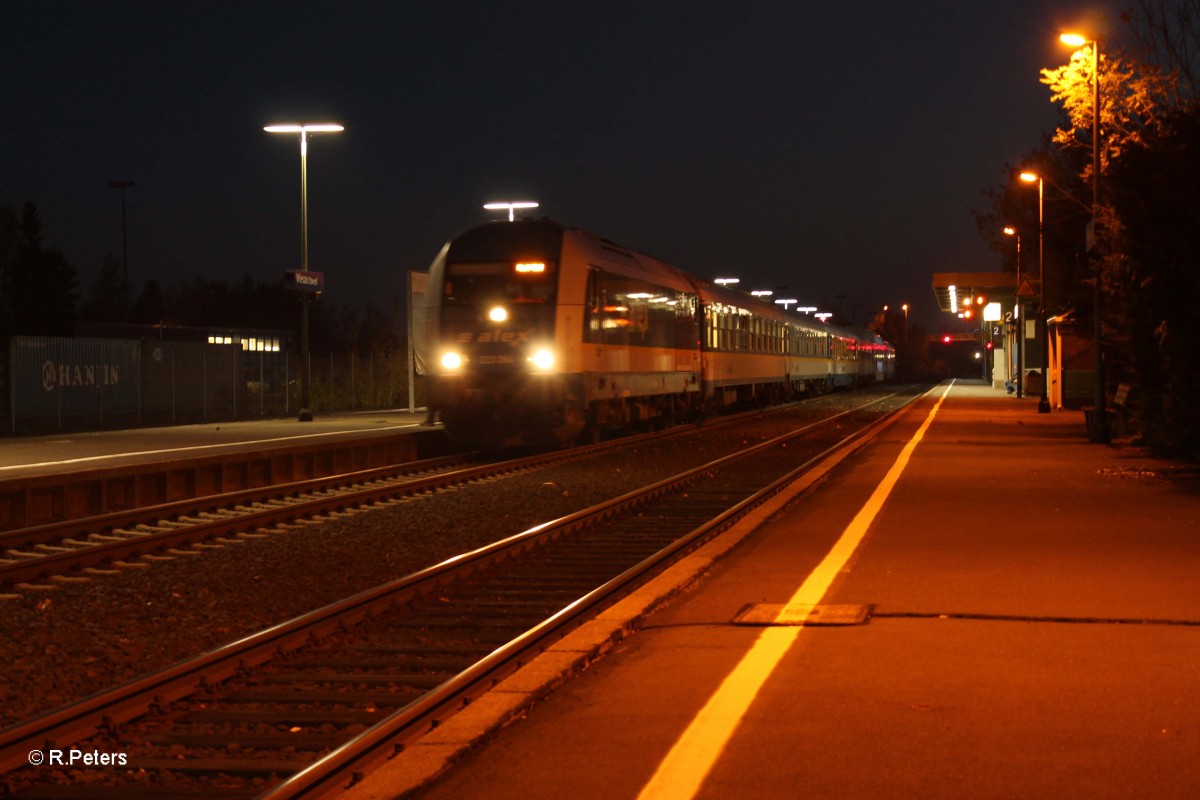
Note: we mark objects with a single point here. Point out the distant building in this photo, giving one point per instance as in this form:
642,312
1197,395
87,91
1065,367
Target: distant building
250,339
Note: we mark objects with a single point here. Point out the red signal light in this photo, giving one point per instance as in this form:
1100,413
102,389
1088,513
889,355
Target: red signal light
990,345
946,339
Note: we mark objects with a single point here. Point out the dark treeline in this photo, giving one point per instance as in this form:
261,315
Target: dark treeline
1147,232
40,296
1157,281
38,287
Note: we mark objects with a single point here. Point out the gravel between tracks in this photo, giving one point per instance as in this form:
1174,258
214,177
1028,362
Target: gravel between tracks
60,646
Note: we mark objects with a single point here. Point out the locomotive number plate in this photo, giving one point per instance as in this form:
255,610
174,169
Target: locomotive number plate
495,359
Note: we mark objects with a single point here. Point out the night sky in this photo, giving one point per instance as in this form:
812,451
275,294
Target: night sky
836,148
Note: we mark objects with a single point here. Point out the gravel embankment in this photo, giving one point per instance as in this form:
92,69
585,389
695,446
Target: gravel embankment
59,646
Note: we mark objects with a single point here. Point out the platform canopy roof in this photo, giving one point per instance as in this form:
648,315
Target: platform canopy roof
951,287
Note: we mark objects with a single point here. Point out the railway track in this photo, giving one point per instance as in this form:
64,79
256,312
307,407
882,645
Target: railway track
55,551
308,704
77,549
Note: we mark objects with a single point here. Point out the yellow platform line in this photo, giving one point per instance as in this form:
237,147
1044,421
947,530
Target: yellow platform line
691,758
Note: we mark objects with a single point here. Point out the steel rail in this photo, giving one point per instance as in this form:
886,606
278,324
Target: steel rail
91,554
106,552
31,567
346,764
128,700
81,526
132,699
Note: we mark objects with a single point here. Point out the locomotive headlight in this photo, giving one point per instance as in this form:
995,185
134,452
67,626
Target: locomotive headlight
452,361
542,359
498,314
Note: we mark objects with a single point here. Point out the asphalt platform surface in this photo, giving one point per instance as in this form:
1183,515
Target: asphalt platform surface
1029,627
70,452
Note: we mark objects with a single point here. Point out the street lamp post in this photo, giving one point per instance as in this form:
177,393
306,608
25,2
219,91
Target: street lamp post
304,130
1010,231
1098,433
123,185
1040,322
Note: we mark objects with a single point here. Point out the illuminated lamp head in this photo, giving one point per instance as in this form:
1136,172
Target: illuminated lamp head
498,314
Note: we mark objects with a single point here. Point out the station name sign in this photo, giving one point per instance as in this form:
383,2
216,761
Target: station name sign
303,281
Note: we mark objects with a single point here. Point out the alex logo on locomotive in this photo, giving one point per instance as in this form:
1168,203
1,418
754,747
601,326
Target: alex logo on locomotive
487,337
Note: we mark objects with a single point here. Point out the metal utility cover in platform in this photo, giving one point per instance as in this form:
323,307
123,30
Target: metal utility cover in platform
779,614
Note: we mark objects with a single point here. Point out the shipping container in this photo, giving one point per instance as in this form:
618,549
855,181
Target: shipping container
54,384
73,384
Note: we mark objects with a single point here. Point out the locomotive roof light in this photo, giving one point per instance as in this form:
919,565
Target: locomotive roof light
510,206
498,314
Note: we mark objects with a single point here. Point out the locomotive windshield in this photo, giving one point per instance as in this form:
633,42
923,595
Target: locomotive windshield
475,284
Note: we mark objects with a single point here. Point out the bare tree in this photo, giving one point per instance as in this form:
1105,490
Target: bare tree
1166,33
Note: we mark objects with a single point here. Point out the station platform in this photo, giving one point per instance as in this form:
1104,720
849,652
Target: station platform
80,451
1014,613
